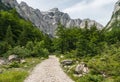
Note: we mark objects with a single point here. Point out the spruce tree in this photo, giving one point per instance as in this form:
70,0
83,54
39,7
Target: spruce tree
9,36
23,37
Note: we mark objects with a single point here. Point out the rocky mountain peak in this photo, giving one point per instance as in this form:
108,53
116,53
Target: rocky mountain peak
115,16
23,4
54,10
10,3
117,6
47,21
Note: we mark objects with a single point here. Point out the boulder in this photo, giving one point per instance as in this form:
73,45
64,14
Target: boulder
13,58
81,68
2,61
67,62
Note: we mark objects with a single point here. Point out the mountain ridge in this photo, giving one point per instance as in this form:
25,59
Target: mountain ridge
47,21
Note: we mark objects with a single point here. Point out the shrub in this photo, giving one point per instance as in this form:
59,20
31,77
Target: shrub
20,51
14,65
30,45
39,50
4,47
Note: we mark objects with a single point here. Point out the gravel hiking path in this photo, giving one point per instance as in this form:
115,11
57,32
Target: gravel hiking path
48,71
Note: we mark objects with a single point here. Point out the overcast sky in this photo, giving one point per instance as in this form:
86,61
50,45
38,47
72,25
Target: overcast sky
99,10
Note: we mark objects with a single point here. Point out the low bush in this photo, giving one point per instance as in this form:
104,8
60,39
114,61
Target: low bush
14,65
20,51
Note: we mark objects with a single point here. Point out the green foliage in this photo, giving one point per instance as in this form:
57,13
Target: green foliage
102,68
67,39
13,76
19,28
39,50
4,47
9,36
30,45
14,65
108,62
20,51
100,49
86,42
117,79
91,78
19,37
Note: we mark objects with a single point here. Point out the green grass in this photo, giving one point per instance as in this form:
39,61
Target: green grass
109,66
18,74
13,76
108,63
30,63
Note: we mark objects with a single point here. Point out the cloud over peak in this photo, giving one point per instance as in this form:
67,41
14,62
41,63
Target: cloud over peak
99,10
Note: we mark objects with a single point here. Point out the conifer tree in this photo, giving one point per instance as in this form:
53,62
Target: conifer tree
9,36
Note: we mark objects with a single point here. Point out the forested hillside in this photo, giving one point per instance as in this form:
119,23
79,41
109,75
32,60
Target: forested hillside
99,49
20,37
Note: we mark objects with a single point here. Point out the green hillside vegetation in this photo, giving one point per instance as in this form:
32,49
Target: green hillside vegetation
20,37
99,49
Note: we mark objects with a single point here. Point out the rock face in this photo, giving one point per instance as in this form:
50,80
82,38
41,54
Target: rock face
48,21
116,15
10,3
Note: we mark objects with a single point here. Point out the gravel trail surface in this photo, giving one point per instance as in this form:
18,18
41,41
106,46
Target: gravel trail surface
48,71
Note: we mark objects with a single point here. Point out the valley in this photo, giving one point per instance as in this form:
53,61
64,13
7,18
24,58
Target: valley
83,50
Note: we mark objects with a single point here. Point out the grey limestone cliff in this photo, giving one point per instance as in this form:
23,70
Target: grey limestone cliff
47,21
116,15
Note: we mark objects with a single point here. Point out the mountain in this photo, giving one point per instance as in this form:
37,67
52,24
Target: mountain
3,7
47,21
115,19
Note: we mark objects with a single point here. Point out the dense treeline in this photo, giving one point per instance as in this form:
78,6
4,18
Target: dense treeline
17,35
86,41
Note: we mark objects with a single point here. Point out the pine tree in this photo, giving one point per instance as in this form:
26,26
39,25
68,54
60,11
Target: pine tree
9,36
23,37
